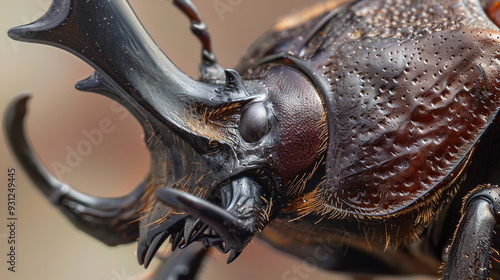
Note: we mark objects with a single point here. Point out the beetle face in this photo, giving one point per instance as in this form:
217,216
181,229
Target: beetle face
258,150
221,153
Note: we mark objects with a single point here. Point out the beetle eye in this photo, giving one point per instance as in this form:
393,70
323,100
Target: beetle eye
254,123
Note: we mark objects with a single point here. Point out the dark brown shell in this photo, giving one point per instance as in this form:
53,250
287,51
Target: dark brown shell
412,85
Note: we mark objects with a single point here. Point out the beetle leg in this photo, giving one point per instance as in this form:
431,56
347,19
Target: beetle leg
470,252
110,220
210,70
182,264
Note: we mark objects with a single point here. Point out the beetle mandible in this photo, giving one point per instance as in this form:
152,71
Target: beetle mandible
362,124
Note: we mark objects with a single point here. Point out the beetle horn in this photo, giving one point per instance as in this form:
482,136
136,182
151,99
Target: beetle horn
141,75
173,108
110,220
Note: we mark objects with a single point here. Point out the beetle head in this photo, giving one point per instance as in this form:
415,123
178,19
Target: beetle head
253,151
221,153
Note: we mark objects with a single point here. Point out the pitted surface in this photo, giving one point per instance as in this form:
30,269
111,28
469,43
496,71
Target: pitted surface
412,85
412,89
405,115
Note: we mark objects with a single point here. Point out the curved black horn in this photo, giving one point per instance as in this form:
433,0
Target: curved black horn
109,37
110,220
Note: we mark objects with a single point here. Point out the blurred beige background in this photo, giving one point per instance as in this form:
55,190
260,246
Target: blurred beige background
48,247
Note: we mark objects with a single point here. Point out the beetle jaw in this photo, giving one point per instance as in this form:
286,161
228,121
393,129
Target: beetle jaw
227,220
243,137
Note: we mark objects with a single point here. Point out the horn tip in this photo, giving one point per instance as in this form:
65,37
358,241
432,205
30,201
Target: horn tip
16,110
17,33
234,254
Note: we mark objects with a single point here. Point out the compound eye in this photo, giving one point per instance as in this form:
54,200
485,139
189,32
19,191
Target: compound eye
254,123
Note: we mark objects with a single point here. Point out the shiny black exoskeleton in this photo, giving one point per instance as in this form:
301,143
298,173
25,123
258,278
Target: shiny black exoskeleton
363,124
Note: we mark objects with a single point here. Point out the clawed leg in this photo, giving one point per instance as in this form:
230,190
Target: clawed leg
470,253
210,70
110,220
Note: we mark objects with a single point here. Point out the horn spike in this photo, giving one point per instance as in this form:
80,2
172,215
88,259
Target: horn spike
130,62
198,233
176,241
33,32
234,254
98,84
189,228
153,248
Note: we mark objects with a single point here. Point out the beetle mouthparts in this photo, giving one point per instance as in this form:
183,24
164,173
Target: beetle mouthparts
229,227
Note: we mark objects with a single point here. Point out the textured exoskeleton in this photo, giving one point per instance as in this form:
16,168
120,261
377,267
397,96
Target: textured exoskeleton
369,125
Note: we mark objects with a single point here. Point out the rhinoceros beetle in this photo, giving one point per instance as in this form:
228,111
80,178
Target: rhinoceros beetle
365,126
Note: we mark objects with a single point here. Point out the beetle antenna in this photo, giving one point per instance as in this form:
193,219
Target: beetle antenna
210,70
